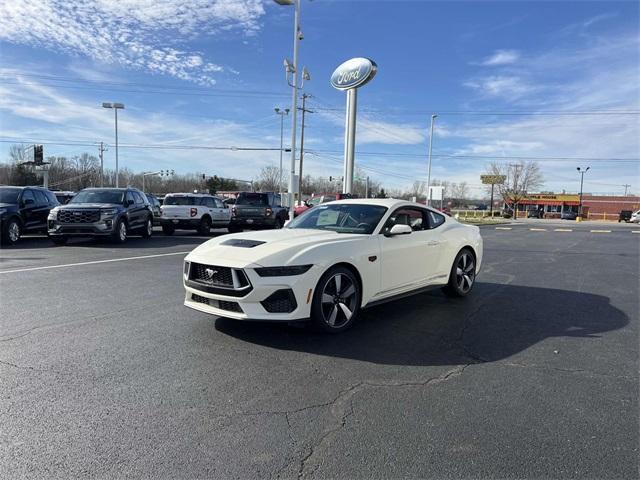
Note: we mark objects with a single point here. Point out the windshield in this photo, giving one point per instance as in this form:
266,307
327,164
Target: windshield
315,201
341,218
99,196
253,199
9,195
181,201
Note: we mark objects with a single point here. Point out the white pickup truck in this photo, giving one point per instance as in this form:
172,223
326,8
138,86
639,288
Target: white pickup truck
193,211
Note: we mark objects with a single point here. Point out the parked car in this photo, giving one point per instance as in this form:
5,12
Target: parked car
331,262
154,203
24,210
113,213
254,210
535,213
63,197
635,217
193,211
569,215
318,199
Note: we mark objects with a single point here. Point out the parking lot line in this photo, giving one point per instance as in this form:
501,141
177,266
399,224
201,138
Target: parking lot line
538,229
600,231
503,228
563,230
92,263
635,231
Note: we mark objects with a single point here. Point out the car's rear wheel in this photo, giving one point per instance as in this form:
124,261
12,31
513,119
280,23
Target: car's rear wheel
205,226
336,301
168,229
147,231
234,229
120,233
463,274
279,222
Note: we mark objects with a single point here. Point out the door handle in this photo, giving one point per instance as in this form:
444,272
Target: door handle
432,243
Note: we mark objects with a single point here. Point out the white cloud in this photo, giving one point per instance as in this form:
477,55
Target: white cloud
138,34
510,87
501,57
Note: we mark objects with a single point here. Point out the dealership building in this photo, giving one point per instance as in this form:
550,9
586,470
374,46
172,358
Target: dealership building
594,207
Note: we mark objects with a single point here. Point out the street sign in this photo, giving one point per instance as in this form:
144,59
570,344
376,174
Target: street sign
353,73
493,179
435,192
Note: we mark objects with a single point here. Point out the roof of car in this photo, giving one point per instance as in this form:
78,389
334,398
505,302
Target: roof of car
189,195
383,202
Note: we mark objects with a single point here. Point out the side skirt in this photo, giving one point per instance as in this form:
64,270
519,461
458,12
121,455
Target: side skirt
402,295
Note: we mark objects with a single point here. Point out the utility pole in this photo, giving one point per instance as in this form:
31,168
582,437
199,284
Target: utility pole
433,119
366,188
101,150
515,166
303,110
626,187
581,172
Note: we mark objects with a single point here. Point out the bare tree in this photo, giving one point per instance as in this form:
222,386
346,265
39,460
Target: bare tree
269,179
520,177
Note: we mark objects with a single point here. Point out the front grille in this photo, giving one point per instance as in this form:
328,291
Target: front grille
281,301
78,216
221,304
211,275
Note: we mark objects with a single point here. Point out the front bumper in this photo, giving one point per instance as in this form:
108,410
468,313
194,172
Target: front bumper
253,305
101,228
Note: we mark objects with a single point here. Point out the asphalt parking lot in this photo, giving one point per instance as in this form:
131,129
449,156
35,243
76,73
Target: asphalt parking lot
103,372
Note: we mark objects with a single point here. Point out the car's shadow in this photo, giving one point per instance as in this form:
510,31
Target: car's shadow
493,323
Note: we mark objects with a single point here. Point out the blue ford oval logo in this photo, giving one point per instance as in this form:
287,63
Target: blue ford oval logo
353,73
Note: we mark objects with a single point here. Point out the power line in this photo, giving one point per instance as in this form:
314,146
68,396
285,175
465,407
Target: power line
489,112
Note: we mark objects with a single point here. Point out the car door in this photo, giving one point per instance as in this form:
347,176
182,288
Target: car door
41,211
132,216
408,261
223,214
141,211
28,209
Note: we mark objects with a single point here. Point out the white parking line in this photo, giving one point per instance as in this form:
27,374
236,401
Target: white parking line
538,229
635,231
503,228
600,231
92,263
562,230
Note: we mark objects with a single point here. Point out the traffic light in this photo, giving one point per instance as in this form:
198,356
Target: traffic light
38,154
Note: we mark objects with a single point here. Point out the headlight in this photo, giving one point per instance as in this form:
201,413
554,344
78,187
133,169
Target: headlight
53,213
3,211
282,271
108,212
185,270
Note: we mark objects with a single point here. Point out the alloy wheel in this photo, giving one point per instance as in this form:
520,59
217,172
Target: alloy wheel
122,233
339,300
14,232
149,227
465,272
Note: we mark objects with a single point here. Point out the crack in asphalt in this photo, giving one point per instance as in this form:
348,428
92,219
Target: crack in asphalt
34,369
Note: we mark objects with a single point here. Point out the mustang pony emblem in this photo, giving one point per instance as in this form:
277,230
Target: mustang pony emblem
209,273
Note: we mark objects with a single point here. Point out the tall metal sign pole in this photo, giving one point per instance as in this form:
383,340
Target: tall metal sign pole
349,76
492,180
433,118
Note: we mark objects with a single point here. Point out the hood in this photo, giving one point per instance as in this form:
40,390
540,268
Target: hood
264,248
80,206
8,205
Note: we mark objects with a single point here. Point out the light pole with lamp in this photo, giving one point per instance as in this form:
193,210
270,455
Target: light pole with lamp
116,107
160,173
581,172
433,119
282,114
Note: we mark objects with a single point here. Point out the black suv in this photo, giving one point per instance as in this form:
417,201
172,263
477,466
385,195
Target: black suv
102,212
24,210
257,210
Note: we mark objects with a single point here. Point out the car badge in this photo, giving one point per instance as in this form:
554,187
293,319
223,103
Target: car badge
209,273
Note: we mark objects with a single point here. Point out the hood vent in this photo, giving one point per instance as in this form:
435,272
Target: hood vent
240,242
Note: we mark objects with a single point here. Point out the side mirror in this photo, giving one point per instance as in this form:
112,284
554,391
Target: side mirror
128,202
398,229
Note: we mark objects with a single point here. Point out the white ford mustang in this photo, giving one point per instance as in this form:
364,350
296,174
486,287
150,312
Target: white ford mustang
331,261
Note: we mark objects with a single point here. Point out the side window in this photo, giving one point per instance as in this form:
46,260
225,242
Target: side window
28,195
270,198
210,202
414,217
129,197
52,198
137,198
218,203
435,219
41,198
278,200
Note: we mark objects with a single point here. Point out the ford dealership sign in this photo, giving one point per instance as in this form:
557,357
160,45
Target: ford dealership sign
353,73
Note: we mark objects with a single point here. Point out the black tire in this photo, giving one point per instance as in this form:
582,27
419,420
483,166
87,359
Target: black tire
462,277
147,230
168,230
334,299
119,234
234,229
59,240
205,226
11,231
279,223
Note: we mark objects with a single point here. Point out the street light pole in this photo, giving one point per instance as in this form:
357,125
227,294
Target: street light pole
282,113
433,119
115,107
581,172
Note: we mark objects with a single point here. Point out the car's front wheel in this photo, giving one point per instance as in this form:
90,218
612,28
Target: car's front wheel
463,274
120,233
336,301
12,232
205,226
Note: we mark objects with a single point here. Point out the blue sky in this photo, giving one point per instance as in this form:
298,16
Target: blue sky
210,73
